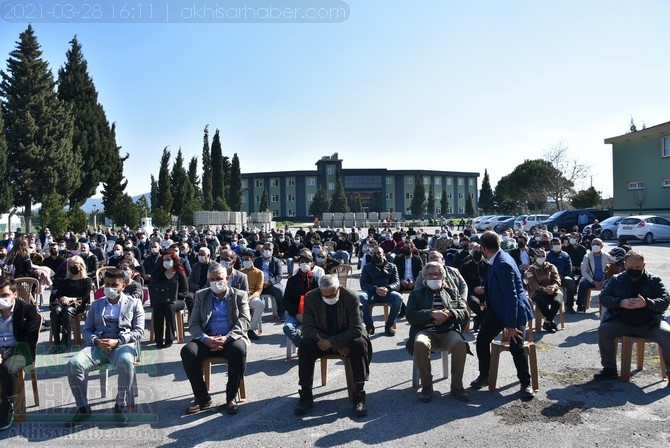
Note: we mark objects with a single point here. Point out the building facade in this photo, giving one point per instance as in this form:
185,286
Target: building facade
290,193
641,171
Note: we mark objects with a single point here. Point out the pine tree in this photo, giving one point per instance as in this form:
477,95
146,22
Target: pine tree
207,200
164,193
265,204
114,186
469,209
127,212
38,128
153,196
92,144
227,168
338,203
218,175
444,202
194,178
418,204
355,204
143,206
235,185
5,189
430,202
320,203
181,186
486,195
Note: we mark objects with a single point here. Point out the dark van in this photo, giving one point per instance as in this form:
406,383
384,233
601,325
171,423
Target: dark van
567,219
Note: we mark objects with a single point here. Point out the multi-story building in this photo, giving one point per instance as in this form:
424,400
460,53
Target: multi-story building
290,193
641,171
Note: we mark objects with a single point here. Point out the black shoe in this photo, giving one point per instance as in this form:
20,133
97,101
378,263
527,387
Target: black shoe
527,393
389,331
252,335
426,394
370,330
570,310
461,395
168,344
359,405
232,408
548,327
580,309
6,415
305,403
160,344
480,382
120,417
403,311
81,416
554,326
606,374
198,405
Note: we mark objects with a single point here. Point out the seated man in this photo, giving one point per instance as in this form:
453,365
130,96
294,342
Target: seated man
113,325
198,278
297,288
409,267
634,302
544,283
19,331
380,284
219,325
593,272
343,249
256,304
272,276
433,312
332,324
559,258
474,273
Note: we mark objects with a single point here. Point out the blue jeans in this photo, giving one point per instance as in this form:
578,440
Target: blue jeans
291,329
393,298
344,256
584,286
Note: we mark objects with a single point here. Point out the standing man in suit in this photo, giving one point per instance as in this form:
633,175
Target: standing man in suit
19,331
219,325
508,308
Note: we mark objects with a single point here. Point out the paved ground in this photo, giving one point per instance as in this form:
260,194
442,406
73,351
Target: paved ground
569,410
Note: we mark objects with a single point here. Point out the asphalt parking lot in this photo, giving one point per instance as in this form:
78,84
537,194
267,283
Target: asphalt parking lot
568,410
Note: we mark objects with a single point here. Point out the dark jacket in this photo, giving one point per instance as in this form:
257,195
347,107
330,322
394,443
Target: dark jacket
374,276
619,287
417,265
475,275
294,290
274,268
516,255
26,324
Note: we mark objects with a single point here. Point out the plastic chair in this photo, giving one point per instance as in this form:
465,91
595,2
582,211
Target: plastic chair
104,369
100,276
349,373
627,354
290,349
207,370
27,289
538,315
166,292
343,272
386,310
416,378
20,397
497,347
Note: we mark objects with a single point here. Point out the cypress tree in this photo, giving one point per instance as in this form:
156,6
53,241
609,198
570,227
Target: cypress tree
418,204
430,202
164,193
92,144
444,202
265,204
181,186
338,203
469,209
320,203
207,200
115,185
38,128
486,202
218,175
153,196
235,185
5,190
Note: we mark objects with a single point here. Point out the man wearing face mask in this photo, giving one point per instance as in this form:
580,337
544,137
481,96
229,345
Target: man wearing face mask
255,281
113,325
409,266
576,251
55,259
272,276
380,284
634,302
343,249
593,272
561,260
219,325
522,254
332,324
198,278
297,288
19,331
292,253
474,271
152,261
435,314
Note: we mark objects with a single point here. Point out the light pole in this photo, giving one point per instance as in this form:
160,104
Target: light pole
95,217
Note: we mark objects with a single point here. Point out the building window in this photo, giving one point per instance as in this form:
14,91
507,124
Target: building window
245,183
311,181
389,196
426,180
290,182
636,185
438,210
448,195
438,181
438,195
259,183
389,180
409,195
274,182
258,198
244,199
291,212
330,170
461,181
666,146
471,182
450,210
274,198
472,195
460,195
449,180
290,198
460,210
666,182
331,186
311,197
275,213
410,180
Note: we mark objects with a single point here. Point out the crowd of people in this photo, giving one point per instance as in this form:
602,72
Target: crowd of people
450,277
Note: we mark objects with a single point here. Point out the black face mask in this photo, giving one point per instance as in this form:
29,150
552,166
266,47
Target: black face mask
521,245
53,251
407,252
477,256
74,270
635,274
376,259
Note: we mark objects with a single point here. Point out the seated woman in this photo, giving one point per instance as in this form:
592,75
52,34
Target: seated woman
72,297
543,286
170,271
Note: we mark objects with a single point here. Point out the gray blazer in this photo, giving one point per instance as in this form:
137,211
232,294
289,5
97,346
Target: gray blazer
131,320
238,314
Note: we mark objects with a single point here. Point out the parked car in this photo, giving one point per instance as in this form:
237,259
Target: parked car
493,221
608,227
567,219
647,228
476,223
518,222
531,221
504,225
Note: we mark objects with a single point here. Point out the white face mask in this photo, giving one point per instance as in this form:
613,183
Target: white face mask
202,259
505,238
111,293
168,264
445,235
304,267
6,303
540,260
247,264
596,249
118,253
556,247
331,300
266,253
573,240
218,286
434,284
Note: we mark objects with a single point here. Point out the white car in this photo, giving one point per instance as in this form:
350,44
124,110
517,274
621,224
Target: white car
493,221
531,221
477,222
608,227
647,228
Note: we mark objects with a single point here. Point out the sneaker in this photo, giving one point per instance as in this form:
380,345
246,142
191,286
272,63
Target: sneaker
403,311
426,394
527,393
81,416
120,417
461,395
252,335
480,382
198,405
548,327
370,330
359,405
554,326
6,415
606,374
389,331
305,403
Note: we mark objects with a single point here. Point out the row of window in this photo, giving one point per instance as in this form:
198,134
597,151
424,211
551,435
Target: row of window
311,181
274,182
438,196
639,185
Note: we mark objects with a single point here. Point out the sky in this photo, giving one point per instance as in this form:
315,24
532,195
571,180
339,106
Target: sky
434,84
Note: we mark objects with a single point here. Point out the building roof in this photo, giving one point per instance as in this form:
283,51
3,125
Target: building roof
658,130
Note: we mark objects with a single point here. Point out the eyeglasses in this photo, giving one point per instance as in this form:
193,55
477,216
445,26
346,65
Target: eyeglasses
433,275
